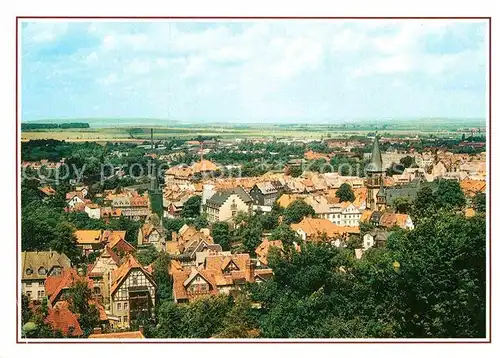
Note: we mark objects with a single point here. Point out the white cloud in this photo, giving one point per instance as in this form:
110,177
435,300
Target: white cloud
43,32
193,66
92,57
139,67
108,80
108,42
279,68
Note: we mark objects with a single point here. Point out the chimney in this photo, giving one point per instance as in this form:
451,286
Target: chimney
141,329
97,330
250,271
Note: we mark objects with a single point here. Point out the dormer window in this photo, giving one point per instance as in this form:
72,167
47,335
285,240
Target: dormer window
42,271
29,271
56,270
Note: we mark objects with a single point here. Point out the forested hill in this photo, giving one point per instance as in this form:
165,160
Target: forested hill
32,126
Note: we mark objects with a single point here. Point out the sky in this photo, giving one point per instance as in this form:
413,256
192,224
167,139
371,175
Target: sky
260,71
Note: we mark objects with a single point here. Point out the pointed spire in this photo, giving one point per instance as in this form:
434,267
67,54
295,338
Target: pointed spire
376,159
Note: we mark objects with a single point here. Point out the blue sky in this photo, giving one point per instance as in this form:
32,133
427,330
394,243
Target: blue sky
263,71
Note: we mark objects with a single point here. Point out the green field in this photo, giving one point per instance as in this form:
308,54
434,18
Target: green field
137,134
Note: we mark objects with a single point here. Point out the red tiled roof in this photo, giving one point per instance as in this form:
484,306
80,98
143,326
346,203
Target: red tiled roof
121,335
61,318
55,284
121,272
314,228
263,249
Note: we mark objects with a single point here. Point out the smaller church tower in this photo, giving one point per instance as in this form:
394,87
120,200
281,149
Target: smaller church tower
375,176
155,193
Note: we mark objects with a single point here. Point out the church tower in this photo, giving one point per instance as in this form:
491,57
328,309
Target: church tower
375,176
155,193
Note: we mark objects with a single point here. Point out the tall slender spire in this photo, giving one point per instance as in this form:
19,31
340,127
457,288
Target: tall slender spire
155,193
153,173
376,159
152,145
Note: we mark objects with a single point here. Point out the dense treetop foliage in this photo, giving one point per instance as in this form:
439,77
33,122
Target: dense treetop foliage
345,193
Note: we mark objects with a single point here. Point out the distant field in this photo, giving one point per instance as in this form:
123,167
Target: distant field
126,134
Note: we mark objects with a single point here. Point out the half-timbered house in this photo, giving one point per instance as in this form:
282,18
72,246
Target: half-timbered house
133,292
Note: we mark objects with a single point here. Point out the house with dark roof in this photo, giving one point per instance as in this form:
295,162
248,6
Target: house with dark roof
36,266
225,204
387,195
375,238
266,193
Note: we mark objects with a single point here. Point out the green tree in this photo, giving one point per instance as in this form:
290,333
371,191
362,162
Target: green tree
162,277
442,280
204,317
65,241
79,296
251,237
239,322
284,233
295,171
33,320
296,211
449,195
222,235
130,226
402,205
345,193
192,207
479,202
395,169
425,204
270,220
407,161
147,256
170,321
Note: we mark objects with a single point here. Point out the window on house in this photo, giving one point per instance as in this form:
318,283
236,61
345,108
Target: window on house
120,319
28,293
29,272
119,306
28,284
40,294
42,271
56,271
125,306
134,280
125,319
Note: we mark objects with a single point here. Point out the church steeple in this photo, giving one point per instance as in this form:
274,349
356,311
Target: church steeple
374,180
155,193
376,159
153,175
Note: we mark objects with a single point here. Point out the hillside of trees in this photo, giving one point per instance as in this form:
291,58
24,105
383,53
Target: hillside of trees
35,126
